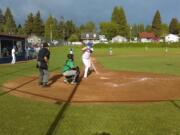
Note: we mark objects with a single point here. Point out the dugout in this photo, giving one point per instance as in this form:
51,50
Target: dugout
6,44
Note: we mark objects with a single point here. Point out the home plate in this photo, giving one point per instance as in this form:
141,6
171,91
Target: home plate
115,85
104,78
143,79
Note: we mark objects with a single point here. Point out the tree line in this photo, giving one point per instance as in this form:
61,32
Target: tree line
119,26
54,28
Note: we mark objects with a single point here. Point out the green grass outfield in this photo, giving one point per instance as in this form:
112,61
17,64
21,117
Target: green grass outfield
153,60
19,116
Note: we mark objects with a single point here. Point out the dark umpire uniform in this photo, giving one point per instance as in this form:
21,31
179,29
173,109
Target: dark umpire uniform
43,57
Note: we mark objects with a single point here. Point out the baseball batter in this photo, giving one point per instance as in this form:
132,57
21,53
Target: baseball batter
86,58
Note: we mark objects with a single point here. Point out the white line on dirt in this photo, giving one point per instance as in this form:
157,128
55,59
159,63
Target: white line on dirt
136,81
152,78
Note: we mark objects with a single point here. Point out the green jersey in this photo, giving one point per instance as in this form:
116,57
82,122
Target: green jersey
68,65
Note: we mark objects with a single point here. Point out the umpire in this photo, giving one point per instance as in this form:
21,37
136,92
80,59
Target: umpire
43,58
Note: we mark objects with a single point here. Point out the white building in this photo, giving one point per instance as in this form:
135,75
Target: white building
93,37
171,38
119,39
33,39
76,43
103,39
146,37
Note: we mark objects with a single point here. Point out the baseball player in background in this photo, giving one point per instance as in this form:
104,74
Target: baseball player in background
110,51
13,54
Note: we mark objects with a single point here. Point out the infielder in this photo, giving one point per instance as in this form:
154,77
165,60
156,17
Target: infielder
110,51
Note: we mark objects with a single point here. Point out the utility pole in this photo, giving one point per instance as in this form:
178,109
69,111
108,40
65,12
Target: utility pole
63,29
51,32
130,29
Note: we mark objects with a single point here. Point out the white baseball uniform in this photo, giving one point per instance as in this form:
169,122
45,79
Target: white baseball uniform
86,58
13,56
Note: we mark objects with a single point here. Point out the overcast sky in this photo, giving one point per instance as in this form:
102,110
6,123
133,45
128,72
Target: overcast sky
81,11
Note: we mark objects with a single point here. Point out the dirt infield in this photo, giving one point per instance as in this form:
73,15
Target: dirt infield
108,86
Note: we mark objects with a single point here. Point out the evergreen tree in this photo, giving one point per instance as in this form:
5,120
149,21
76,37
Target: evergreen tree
51,29
38,27
109,29
148,28
88,27
10,25
70,29
73,38
136,29
118,17
124,29
115,18
62,28
165,29
141,28
2,20
28,26
82,29
173,27
20,30
55,29
156,24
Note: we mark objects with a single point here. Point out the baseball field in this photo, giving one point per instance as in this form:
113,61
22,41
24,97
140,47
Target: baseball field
137,92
